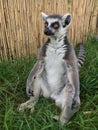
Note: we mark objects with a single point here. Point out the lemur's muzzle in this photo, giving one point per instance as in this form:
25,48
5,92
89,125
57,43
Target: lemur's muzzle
47,31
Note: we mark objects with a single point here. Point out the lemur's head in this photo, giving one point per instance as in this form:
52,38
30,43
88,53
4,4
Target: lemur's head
56,25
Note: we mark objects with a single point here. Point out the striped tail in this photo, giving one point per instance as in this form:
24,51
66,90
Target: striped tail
81,55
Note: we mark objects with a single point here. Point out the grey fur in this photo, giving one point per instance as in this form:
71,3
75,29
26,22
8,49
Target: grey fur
55,74
43,50
55,16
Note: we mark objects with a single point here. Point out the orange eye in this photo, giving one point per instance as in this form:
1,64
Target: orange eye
56,26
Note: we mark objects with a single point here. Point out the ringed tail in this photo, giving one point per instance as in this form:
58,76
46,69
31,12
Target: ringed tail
81,55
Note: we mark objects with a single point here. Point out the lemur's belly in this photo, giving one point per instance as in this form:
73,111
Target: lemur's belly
55,68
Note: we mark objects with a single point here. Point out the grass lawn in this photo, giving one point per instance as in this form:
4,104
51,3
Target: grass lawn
13,75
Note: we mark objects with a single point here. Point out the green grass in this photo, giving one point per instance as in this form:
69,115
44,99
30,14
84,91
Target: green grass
13,75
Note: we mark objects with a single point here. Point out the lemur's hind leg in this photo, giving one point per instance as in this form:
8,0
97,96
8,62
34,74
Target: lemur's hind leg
68,108
36,90
72,91
33,87
33,98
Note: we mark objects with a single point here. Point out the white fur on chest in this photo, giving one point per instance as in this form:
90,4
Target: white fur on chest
55,66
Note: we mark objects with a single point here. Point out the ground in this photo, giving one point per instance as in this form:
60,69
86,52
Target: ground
13,75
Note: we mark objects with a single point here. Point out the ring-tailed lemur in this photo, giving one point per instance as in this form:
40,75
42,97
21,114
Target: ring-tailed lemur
55,75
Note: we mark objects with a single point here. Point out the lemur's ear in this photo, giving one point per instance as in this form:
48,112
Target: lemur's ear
66,19
44,16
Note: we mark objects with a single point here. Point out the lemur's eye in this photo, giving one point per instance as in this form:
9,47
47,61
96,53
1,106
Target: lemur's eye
46,24
55,25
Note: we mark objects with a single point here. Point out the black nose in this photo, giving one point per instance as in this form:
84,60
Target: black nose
47,31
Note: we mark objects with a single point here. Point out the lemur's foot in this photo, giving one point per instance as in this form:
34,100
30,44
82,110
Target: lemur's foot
25,105
56,117
62,119
28,104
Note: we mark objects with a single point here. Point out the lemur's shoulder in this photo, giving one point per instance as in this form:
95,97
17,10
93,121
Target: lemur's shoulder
43,49
70,55
69,49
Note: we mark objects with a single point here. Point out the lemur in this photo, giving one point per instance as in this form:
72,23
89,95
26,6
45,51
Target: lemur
55,75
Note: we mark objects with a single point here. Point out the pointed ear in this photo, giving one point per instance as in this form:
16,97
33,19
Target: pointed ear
44,16
66,19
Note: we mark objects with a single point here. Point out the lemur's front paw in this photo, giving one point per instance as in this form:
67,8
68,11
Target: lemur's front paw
63,120
28,104
22,107
56,117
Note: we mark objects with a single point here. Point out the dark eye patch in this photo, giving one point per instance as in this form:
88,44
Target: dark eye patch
46,24
55,25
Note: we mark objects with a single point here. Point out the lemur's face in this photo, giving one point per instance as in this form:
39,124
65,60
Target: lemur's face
56,25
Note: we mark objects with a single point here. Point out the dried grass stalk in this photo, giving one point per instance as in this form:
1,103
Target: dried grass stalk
21,26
